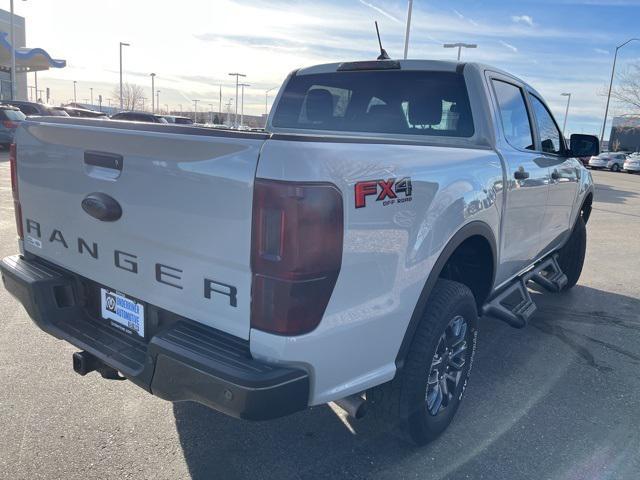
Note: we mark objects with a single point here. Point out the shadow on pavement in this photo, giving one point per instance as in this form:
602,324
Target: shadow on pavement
534,409
608,194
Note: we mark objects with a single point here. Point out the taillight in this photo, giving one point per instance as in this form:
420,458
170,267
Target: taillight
9,124
14,189
296,253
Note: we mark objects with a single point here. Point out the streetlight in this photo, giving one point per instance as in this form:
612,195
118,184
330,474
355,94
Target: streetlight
13,55
566,113
195,111
266,100
91,89
606,110
122,44
235,118
406,34
242,100
158,100
460,46
153,107
74,93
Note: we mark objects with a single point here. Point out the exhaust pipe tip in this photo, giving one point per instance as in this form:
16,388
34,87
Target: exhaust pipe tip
354,405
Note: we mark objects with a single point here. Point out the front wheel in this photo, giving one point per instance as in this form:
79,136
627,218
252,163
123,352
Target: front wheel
426,393
571,256
615,167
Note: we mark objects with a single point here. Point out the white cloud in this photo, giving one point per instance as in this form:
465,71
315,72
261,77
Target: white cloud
462,17
509,46
381,11
601,51
526,19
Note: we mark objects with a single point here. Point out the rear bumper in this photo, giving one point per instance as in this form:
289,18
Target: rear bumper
182,360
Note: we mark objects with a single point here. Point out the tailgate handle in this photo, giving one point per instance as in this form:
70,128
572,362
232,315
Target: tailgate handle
102,206
104,160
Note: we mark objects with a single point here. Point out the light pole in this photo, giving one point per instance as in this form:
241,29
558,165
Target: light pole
613,69
122,44
242,106
91,89
220,104
406,34
153,106
235,118
158,100
460,46
195,111
75,100
566,113
266,100
211,107
13,55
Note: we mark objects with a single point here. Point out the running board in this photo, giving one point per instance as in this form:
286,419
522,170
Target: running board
514,304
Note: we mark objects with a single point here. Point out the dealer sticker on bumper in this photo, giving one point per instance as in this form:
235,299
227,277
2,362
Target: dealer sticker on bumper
123,311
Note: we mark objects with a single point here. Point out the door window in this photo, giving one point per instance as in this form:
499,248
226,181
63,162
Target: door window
549,133
514,115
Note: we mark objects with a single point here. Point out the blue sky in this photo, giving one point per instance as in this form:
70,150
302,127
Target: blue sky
556,45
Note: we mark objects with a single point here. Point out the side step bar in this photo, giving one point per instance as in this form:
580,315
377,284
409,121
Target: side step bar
514,304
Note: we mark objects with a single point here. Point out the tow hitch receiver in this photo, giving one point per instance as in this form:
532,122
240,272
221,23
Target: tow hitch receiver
84,362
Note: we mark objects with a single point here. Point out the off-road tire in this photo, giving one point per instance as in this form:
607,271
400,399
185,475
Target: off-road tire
401,403
571,256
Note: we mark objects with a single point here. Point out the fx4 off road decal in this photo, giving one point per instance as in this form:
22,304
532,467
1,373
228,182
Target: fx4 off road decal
386,191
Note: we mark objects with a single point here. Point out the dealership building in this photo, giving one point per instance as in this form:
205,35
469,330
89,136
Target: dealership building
625,134
27,59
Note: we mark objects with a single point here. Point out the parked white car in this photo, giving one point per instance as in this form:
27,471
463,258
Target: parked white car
632,163
612,161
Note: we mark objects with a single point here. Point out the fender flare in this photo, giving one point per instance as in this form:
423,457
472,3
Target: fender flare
472,229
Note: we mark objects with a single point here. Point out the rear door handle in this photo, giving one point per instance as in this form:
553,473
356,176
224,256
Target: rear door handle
521,174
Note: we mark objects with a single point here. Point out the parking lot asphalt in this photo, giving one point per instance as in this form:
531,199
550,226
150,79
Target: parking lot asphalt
559,399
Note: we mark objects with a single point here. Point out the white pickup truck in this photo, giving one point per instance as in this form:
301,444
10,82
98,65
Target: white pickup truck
344,254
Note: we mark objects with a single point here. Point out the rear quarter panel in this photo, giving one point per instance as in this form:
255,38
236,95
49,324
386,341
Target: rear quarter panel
389,250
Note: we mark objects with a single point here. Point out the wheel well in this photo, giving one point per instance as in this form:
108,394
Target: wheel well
472,264
586,207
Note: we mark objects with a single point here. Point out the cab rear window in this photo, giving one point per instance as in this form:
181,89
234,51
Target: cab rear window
393,102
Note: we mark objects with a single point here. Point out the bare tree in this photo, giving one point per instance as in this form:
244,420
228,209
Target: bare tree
627,90
131,96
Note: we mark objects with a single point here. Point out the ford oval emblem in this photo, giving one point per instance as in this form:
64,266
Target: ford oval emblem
102,206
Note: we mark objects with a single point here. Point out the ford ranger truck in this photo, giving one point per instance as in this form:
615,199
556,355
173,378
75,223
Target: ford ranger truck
343,255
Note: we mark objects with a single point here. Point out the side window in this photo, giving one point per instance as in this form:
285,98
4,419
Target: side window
28,110
549,132
513,111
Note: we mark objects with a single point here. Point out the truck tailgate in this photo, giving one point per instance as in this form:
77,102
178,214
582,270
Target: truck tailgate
182,241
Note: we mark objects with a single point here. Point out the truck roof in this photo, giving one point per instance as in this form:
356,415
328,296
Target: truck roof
416,64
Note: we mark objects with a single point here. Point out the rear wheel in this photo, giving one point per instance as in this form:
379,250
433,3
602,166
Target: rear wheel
571,256
615,167
426,393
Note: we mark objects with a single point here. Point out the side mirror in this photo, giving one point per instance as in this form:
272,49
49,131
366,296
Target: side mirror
584,145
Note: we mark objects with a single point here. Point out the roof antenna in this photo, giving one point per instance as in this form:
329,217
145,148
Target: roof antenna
383,53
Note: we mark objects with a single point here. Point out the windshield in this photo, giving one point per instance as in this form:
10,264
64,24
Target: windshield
15,115
58,113
394,102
